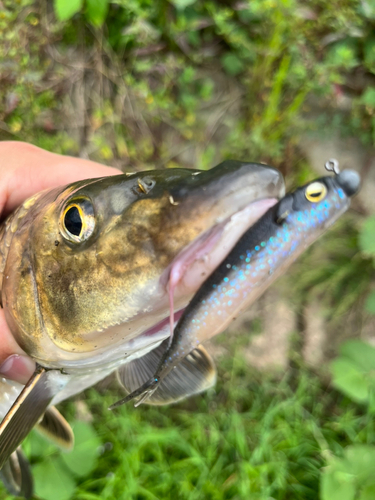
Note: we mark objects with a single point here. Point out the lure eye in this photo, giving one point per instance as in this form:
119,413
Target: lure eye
315,192
77,221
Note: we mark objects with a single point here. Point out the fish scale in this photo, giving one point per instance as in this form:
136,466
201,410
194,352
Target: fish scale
9,392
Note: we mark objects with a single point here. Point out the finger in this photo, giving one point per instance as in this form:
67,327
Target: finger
26,169
14,364
7,342
18,367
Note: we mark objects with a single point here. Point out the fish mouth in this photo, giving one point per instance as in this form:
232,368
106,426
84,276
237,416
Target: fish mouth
208,211
185,275
197,261
194,264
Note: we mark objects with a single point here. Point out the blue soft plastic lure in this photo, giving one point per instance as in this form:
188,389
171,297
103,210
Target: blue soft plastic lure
261,255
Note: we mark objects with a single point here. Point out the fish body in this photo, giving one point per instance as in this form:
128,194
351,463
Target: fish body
86,268
262,254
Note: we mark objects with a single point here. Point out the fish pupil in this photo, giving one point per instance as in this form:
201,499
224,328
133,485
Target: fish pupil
316,194
73,221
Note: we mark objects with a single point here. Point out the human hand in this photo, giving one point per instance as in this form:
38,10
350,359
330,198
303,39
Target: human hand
24,171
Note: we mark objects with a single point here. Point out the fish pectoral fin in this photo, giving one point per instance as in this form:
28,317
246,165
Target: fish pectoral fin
16,475
136,373
27,410
54,427
194,374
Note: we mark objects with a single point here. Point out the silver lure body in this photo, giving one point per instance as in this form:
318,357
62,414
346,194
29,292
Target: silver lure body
261,255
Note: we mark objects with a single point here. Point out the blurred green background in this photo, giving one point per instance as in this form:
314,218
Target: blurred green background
142,84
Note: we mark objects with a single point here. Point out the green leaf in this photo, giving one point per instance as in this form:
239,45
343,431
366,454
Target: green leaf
361,462
367,233
349,380
370,303
362,354
345,475
368,99
187,76
37,446
65,9
82,460
337,484
96,11
52,481
344,54
232,64
368,493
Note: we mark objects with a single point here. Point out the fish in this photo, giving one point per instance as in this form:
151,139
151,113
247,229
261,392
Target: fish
262,254
87,273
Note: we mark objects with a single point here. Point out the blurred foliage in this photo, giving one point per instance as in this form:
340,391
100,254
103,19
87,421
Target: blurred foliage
351,477
95,10
354,372
252,436
367,244
144,83
336,272
62,469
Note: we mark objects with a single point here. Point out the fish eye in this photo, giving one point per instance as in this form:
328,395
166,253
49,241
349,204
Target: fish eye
77,221
316,191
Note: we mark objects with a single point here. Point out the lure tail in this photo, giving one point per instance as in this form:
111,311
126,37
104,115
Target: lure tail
144,392
193,374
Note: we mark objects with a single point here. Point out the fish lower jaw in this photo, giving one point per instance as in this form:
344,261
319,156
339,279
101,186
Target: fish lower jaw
195,263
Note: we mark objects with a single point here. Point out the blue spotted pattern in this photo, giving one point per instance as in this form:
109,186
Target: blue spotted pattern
241,278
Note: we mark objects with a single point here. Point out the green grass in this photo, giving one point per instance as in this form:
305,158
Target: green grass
253,436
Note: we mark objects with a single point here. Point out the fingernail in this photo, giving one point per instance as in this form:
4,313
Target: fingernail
18,368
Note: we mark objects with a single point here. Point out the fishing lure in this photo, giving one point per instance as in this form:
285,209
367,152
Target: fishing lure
262,254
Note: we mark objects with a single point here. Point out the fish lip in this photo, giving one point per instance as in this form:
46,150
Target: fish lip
214,233
226,188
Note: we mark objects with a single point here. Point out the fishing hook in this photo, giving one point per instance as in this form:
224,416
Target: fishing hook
332,165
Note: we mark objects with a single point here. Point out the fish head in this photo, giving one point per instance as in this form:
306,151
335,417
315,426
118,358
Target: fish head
321,201
87,264
303,215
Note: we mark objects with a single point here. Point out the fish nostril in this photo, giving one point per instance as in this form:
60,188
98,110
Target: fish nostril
150,183
146,184
349,181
